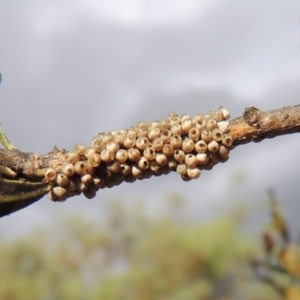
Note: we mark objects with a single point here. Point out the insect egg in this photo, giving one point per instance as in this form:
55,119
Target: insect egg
165,170
161,159
149,153
181,168
52,196
165,125
226,113
216,135
179,155
201,147
107,155
191,160
89,194
136,171
119,137
197,119
153,133
80,149
200,125
143,163
176,129
121,155
90,169
125,169
185,117
132,132
113,166
172,163
194,134
113,146
86,179
80,186
213,146
62,180
60,192
94,160
142,132
202,158
89,151
147,173
176,141
186,125
223,125
114,132
157,144
185,177
109,183
98,182
223,151
142,125
193,173
174,120
168,150
100,135
107,137
206,135
227,140
93,188
208,166
172,115
134,154
118,178
71,186
130,178
71,157
80,167
50,174
154,167
142,143
98,145
165,136
211,124
206,117
129,142
213,157
223,159
188,145
218,115
155,124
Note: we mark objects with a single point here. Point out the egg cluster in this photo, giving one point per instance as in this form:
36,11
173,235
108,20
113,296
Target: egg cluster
182,144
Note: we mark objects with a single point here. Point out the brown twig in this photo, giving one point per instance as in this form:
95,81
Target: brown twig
254,125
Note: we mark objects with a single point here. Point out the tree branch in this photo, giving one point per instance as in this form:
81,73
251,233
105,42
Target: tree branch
256,125
25,176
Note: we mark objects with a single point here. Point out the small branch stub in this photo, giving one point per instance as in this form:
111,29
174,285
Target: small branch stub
251,115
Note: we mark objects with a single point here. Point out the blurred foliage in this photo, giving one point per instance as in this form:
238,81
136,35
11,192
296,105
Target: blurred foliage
132,256
279,265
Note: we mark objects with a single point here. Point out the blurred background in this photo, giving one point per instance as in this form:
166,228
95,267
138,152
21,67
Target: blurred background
71,69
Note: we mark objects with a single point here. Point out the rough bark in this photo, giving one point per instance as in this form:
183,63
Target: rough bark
256,125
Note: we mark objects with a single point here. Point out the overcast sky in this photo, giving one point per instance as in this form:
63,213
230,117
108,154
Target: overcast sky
71,69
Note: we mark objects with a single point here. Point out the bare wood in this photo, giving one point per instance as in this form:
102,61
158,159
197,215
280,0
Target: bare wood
29,168
255,125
